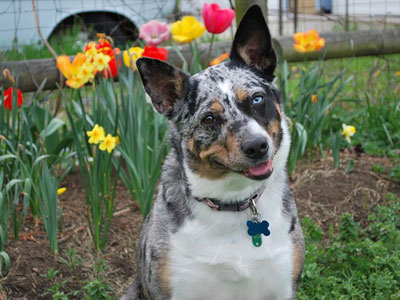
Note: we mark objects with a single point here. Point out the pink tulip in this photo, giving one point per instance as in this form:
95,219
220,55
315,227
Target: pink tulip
154,32
216,19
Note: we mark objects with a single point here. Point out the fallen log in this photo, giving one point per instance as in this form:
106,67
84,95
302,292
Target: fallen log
30,74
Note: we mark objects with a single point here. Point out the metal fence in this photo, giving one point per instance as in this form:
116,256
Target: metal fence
17,26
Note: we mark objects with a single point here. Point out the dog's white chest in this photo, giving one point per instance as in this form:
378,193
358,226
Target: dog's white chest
217,260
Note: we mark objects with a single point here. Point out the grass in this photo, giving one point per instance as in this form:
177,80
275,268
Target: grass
370,101
354,263
68,43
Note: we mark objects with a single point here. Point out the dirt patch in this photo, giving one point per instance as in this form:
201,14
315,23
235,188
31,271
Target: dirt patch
322,192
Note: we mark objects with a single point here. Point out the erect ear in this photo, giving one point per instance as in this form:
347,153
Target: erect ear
164,83
252,44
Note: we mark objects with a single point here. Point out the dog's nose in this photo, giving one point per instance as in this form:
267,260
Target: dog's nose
256,147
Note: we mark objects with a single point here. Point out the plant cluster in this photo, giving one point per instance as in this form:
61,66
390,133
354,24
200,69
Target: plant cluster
357,262
111,132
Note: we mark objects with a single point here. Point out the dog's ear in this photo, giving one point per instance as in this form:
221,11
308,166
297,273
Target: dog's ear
164,83
252,44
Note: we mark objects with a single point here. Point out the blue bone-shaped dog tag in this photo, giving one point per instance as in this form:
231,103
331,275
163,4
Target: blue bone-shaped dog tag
256,229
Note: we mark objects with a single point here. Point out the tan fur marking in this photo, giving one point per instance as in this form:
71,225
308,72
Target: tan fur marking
191,144
298,260
164,273
273,128
217,107
278,109
241,94
213,149
233,146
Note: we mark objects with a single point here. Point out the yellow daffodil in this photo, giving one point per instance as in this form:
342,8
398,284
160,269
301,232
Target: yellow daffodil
398,74
348,131
100,61
96,135
314,98
131,55
308,41
108,144
86,71
186,30
377,73
91,50
61,191
71,71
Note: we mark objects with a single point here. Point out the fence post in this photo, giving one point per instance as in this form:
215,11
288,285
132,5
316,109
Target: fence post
280,17
296,9
242,5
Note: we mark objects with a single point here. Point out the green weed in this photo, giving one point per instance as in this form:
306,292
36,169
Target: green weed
357,262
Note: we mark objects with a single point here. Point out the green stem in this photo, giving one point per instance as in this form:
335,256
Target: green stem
210,48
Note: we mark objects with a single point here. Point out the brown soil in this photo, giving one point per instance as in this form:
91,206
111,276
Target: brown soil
323,193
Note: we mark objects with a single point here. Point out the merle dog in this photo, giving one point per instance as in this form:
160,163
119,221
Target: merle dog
224,224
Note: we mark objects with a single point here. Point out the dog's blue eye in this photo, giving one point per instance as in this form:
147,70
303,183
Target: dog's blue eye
258,100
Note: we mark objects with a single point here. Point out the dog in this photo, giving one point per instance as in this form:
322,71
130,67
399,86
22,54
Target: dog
224,224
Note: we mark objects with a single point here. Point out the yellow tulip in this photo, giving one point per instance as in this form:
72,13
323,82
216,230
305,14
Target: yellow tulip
186,30
131,55
308,41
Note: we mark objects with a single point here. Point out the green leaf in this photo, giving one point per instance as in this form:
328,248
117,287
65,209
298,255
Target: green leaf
52,127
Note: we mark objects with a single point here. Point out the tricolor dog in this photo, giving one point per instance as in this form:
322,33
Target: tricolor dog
224,224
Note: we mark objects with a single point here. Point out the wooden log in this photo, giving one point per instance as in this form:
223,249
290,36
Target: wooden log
345,44
30,73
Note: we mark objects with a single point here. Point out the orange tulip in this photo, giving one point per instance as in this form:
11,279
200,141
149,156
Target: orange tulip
71,71
219,59
308,41
314,98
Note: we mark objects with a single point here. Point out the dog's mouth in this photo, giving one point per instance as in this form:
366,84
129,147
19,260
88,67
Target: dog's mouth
260,171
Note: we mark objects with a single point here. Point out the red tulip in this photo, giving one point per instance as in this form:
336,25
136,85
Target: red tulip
216,19
8,98
155,52
112,70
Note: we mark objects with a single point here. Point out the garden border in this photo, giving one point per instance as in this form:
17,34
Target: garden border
31,73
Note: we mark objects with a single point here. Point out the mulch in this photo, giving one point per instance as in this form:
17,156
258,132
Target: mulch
322,192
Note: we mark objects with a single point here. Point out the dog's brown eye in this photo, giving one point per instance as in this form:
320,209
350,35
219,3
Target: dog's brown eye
209,119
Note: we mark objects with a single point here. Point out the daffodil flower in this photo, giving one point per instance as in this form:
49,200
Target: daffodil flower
108,144
348,131
96,135
100,61
61,191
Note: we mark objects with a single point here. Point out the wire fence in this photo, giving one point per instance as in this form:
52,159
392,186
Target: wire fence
121,18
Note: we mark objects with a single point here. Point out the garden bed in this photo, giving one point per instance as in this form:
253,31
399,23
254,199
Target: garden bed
323,193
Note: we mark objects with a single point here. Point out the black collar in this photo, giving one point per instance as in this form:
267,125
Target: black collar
219,205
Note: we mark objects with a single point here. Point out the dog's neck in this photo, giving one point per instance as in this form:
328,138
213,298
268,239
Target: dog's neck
231,188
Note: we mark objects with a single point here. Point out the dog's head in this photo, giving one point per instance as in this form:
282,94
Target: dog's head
228,116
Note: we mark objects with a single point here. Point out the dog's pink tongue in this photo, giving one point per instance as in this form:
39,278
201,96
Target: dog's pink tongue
260,169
